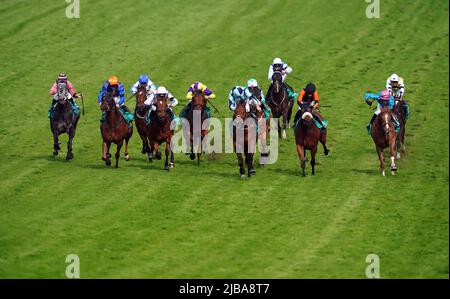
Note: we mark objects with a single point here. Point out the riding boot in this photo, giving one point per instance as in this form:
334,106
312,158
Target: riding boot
369,126
406,107
298,115
170,112
52,108
317,118
396,122
125,109
291,93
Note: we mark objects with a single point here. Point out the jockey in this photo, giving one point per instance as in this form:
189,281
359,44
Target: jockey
113,85
252,84
279,66
396,87
162,92
309,94
62,78
384,99
144,81
209,94
240,93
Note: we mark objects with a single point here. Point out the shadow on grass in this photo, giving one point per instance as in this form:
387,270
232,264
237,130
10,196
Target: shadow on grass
374,171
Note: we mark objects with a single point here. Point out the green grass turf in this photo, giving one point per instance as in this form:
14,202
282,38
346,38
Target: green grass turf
139,221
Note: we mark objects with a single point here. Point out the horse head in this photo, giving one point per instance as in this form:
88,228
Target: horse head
384,120
307,118
108,102
198,100
240,113
277,79
62,92
161,106
141,97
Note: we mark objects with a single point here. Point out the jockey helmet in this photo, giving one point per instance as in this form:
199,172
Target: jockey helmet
113,80
161,91
277,61
385,95
310,88
62,77
252,83
199,85
143,79
394,78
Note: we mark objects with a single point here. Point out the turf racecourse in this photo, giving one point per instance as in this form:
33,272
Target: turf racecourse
139,221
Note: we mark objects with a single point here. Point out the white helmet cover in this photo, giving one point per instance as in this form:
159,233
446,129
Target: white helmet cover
394,78
277,61
162,90
252,83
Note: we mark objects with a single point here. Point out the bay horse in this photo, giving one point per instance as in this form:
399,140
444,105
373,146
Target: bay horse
161,130
400,113
383,135
199,102
308,135
63,120
141,114
114,130
278,101
244,138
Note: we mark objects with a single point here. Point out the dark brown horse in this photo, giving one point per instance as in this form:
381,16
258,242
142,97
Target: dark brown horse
400,113
114,130
197,135
63,120
278,101
308,135
383,135
161,130
245,138
141,113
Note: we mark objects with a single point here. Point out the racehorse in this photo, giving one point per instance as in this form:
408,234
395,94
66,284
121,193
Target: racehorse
307,136
63,120
244,138
141,113
383,135
161,130
400,113
199,102
262,123
278,101
114,130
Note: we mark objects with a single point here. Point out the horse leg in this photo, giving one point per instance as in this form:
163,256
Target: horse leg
69,155
279,127
313,159
249,161
284,125
172,160
381,158
105,153
301,155
167,152
156,150
192,154
119,146
289,115
56,146
241,164
323,140
392,154
199,151
126,155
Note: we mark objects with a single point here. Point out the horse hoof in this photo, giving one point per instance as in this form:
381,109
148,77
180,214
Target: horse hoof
69,157
251,171
242,175
383,173
397,156
172,165
166,167
55,153
158,156
192,156
326,152
108,162
127,157
284,134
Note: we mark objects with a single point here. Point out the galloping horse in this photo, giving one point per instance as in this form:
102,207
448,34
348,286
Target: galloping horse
114,130
141,113
63,120
307,136
279,103
199,102
383,135
400,113
161,131
245,138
